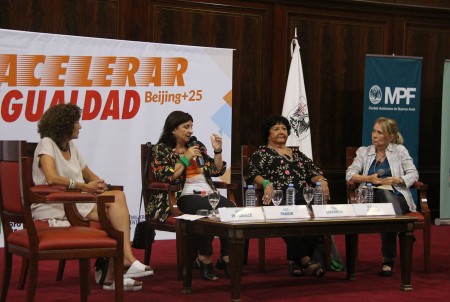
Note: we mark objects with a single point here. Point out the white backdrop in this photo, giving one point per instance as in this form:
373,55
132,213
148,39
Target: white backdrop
126,90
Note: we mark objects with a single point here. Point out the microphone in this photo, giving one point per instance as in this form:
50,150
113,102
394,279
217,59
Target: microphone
380,172
199,159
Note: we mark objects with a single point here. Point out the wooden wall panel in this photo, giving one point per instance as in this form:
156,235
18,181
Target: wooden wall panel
245,29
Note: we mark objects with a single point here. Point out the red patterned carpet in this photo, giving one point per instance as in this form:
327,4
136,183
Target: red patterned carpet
274,285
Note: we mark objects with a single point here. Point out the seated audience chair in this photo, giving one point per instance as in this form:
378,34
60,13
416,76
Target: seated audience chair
150,187
34,243
423,212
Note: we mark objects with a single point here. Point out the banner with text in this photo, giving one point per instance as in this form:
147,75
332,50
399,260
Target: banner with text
445,146
392,89
126,90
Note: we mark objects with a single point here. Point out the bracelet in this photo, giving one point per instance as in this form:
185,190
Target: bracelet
217,152
185,161
266,183
72,184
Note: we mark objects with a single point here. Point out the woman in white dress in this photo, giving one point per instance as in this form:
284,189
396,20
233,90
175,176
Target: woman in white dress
58,162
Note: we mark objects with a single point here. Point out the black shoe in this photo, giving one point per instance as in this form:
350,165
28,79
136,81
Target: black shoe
386,269
221,264
206,270
101,268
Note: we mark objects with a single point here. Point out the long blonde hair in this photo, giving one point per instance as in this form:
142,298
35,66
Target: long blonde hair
390,129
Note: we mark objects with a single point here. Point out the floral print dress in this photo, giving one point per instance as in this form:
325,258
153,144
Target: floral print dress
163,165
282,170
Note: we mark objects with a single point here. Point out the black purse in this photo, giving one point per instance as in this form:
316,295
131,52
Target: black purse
140,231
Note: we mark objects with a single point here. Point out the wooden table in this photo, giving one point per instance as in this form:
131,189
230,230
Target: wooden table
237,233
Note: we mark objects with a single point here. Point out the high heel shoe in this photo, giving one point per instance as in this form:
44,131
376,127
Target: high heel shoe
206,270
221,264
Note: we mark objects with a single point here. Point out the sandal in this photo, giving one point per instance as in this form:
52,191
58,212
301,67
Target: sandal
221,264
137,269
129,285
386,269
206,270
312,268
295,269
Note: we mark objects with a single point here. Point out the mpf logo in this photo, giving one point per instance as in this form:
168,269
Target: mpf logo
392,97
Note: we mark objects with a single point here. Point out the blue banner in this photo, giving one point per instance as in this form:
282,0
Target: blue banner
392,89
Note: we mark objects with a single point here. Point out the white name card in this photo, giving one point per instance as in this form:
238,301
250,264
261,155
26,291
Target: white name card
286,212
241,214
333,210
374,209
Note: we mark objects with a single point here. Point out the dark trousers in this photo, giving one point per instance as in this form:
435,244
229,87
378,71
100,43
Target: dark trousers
389,240
189,204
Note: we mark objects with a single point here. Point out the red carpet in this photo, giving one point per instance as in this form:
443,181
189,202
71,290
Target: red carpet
274,285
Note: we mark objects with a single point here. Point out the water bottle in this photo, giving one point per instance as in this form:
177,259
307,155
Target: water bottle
250,196
369,193
318,194
290,195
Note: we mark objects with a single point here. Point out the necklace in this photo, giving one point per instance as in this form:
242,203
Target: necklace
65,149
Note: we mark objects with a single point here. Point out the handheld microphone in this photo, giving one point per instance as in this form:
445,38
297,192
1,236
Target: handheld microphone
380,172
198,159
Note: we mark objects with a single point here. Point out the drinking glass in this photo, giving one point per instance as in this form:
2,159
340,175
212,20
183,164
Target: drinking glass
213,199
277,197
308,194
360,195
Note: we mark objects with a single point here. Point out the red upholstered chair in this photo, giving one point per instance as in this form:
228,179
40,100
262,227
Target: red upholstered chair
32,243
423,214
150,187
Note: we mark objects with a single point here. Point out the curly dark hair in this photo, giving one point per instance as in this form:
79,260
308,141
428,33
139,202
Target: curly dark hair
58,122
272,121
173,120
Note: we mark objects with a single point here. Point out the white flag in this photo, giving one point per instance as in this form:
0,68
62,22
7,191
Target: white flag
295,107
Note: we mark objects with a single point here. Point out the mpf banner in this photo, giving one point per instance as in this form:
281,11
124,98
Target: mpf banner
445,146
392,89
126,90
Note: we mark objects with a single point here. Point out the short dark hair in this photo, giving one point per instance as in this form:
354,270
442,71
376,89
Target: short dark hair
58,122
272,121
173,120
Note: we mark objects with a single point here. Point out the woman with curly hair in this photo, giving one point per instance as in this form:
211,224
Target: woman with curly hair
57,161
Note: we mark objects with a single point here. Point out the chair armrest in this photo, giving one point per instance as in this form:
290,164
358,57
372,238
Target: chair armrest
115,187
229,187
423,200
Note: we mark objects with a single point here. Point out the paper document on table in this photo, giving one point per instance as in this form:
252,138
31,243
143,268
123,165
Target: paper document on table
189,217
382,187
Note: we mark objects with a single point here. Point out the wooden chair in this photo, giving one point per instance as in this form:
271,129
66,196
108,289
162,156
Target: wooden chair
32,243
423,214
150,187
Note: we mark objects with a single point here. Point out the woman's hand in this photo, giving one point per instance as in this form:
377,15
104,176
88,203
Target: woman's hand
267,197
375,179
193,152
96,186
326,191
216,142
390,181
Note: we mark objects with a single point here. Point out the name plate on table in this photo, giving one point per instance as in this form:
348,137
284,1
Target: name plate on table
333,211
286,212
374,209
241,214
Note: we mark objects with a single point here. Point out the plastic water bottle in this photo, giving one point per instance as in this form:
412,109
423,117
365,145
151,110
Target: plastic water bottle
290,195
318,194
250,196
369,193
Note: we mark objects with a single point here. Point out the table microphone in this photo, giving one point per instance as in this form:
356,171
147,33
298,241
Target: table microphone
199,159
